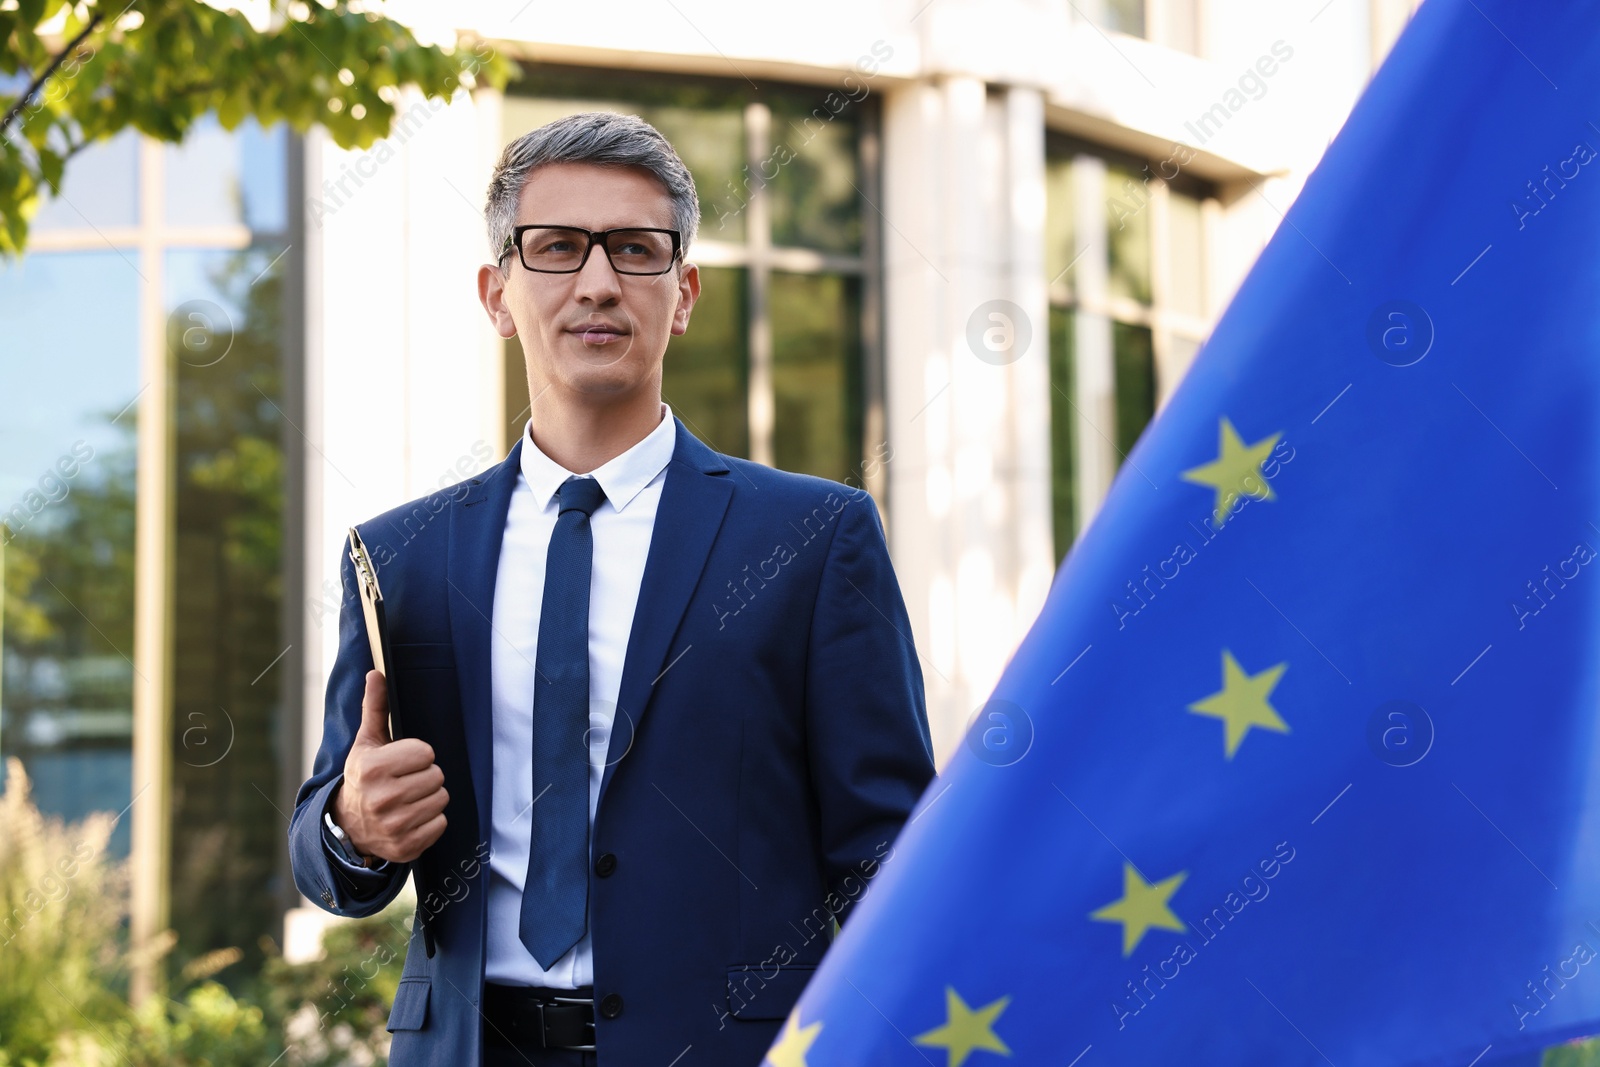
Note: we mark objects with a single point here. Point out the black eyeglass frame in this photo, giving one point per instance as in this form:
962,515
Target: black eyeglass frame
596,237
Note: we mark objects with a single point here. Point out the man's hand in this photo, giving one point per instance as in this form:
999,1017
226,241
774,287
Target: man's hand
392,800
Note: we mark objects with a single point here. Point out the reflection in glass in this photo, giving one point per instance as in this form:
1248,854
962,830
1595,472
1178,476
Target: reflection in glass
67,483
1135,362
813,171
704,375
100,188
1063,424
816,374
218,178
1128,232
228,708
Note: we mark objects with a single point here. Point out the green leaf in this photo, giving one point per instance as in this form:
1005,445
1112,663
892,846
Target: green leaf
50,167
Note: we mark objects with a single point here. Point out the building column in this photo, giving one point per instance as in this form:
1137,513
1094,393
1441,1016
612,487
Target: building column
966,330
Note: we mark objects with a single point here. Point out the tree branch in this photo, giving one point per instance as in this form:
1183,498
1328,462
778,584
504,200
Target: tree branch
44,75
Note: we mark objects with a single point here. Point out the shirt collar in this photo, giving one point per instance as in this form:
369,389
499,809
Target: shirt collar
621,477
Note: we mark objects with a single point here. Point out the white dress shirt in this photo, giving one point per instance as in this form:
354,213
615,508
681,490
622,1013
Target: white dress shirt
622,527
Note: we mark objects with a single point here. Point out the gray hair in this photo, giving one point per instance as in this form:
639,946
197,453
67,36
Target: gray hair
597,137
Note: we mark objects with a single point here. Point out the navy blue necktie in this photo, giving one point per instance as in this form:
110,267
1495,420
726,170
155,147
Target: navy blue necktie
555,898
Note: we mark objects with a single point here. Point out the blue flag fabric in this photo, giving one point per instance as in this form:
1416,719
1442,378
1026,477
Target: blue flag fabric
1298,763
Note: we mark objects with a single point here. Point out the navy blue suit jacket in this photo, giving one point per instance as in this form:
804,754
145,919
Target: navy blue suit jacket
771,738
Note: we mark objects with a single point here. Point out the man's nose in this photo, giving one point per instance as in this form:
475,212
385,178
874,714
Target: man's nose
597,280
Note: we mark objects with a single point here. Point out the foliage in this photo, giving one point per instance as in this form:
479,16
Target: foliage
64,962
333,1009
84,71
1574,1054
59,923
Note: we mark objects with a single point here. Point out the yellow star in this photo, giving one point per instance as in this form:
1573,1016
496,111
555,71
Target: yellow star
1236,471
1242,702
965,1029
792,1045
1142,906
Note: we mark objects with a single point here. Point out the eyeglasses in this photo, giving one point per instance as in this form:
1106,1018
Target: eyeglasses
565,249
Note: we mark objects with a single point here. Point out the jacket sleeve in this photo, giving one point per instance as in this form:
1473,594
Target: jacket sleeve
867,736
324,879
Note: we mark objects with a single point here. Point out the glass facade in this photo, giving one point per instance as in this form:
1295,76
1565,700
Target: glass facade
778,363
68,462
1150,286
197,280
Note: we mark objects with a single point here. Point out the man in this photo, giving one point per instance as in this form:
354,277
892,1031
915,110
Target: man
667,718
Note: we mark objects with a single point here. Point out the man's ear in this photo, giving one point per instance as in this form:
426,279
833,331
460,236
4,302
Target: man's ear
492,294
688,293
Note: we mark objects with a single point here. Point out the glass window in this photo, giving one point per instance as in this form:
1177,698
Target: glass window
814,171
1135,380
1063,417
1128,231
67,485
1060,224
704,376
221,178
1141,321
99,189
816,373
68,463
225,334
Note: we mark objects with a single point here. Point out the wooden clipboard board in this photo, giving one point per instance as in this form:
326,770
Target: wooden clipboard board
377,627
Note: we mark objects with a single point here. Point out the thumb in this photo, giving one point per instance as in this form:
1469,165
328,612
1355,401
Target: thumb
374,711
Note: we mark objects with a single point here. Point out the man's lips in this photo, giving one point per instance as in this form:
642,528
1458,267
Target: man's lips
596,333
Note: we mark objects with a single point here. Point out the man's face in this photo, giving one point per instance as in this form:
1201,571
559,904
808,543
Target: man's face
596,336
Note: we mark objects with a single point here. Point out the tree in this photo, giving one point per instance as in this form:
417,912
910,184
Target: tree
89,69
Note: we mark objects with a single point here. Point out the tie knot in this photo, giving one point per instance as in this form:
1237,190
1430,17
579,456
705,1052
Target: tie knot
580,494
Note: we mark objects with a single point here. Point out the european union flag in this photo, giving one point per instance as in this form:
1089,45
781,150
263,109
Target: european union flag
1298,763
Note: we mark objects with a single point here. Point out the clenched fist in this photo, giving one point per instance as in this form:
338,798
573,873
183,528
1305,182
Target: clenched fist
391,803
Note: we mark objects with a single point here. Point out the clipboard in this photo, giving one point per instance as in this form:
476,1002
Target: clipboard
378,638
377,627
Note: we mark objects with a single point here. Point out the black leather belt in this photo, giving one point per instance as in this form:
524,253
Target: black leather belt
539,1017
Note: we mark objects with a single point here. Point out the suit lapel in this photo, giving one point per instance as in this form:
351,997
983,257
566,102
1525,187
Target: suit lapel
477,528
694,499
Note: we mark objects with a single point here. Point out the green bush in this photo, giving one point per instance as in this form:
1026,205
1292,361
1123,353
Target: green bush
65,962
61,909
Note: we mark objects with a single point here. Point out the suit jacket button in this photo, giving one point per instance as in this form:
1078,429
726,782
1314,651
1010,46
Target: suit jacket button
605,865
327,898
611,1006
